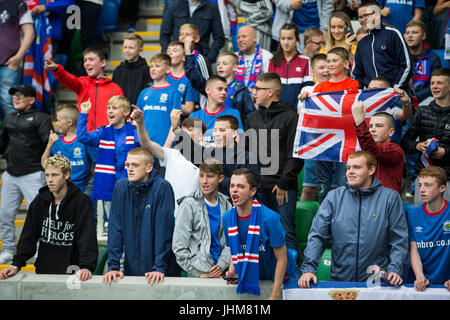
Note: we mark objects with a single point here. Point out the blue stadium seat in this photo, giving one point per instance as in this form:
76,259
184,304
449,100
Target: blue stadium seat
107,21
234,39
440,53
292,256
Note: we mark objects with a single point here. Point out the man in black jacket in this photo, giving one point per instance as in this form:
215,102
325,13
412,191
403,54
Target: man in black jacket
23,139
60,218
275,125
432,121
204,14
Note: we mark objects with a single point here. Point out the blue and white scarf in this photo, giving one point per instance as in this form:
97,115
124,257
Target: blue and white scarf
105,167
255,70
246,263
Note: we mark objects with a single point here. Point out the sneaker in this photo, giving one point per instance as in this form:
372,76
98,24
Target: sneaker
6,258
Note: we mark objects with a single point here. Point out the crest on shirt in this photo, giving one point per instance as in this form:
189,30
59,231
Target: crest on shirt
77,152
298,69
163,97
181,87
446,226
418,229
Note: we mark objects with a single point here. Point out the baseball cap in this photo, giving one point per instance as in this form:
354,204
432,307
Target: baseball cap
25,89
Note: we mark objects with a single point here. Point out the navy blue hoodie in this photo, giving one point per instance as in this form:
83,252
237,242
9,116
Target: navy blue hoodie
141,222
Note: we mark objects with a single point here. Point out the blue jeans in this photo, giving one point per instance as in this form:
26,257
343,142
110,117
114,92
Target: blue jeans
8,79
286,212
330,175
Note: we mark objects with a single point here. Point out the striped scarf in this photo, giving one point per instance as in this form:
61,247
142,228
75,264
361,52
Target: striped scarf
105,168
246,263
255,70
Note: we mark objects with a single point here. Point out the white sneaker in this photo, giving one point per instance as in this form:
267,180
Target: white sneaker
6,257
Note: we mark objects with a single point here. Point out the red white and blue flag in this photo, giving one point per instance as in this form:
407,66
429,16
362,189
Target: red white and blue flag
326,128
34,73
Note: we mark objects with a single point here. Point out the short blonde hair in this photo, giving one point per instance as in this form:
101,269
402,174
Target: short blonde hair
135,37
370,158
122,101
141,151
58,161
191,26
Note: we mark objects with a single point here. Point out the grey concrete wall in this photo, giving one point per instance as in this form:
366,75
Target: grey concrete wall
29,286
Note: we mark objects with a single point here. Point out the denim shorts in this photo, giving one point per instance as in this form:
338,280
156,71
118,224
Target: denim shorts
309,174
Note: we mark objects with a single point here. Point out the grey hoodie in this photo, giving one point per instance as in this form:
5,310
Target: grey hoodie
192,236
367,226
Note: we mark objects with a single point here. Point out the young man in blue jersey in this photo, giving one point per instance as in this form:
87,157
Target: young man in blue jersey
159,100
177,78
429,232
238,96
256,239
216,89
66,143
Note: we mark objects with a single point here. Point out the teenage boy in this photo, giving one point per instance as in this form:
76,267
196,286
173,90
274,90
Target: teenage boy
255,237
66,143
216,90
432,121
332,174
238,96
376,138
425,223
95,87
159,100
274,118
320,73
383,52
198,237
113,142
141,223
132,75
22,141
366,223
60,219
426,60
177,78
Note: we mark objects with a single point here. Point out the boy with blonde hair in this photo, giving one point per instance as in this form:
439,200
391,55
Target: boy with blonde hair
113,142
66,143
132,75
65,233
159,100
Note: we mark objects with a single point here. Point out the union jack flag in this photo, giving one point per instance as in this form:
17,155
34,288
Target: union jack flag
34,73
326,130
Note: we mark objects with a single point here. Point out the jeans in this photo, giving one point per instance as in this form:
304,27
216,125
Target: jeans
330,175
286,212
8,79
14,189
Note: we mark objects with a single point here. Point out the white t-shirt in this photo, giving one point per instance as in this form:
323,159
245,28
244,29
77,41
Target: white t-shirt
182,174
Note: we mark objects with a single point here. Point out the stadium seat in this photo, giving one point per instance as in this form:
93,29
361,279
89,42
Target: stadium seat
101,261
234,38
292,256
323,271
76,52
304,215
440,53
